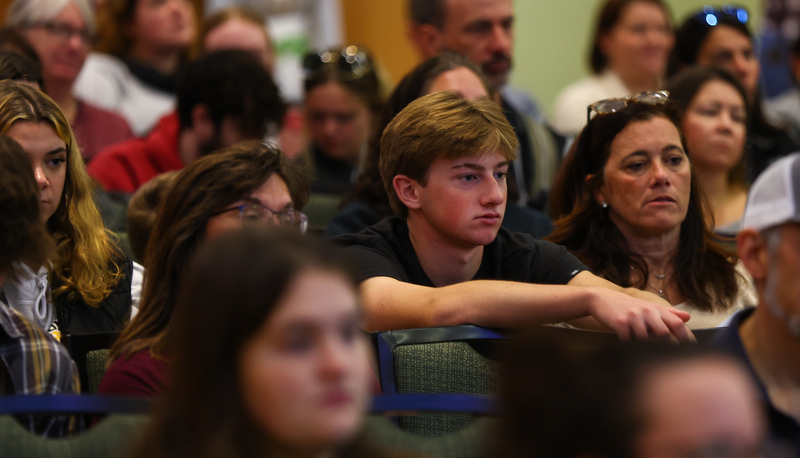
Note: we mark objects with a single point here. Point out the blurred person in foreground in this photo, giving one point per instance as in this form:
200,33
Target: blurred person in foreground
640,400
31,361
283,373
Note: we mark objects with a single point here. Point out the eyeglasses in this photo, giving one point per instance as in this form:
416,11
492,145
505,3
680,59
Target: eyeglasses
65,31
252,213
611,105
711,15
350,60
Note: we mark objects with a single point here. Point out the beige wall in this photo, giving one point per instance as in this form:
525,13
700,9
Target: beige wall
381,26
3,7
552,41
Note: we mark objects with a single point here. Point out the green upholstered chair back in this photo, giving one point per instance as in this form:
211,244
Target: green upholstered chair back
80,347
451,359
111,437
95,369
320,209
442,367
472,441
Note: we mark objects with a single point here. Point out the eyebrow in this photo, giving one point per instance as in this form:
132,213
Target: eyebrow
473,166
58,150
311,324
253,200
665,149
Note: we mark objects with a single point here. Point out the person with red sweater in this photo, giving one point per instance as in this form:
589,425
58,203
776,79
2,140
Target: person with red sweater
224,97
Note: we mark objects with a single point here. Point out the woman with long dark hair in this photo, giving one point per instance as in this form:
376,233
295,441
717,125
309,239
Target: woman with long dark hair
250,183
343,94
628,204
713,108
629,53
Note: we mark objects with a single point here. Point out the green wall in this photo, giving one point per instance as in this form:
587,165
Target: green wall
552,41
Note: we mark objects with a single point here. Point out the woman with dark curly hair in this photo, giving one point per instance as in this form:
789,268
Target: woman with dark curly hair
627,203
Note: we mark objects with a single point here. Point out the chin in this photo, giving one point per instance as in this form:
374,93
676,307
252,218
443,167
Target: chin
484,239
338,429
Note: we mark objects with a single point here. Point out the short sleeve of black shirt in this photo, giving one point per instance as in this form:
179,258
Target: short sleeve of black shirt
385,250
519,257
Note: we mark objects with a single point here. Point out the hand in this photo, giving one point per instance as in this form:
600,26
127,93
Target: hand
631,317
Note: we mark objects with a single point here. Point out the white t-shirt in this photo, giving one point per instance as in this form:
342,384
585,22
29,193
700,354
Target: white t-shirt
28,294
569,114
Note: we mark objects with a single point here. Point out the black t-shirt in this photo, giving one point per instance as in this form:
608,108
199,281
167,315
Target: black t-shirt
385,250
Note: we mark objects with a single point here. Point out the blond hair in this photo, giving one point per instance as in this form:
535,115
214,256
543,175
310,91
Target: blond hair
86,263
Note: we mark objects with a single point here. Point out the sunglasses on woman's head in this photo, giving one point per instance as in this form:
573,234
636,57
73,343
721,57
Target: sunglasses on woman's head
710,15
350,60
611,105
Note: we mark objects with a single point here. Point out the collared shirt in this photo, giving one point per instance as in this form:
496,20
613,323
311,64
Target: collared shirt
784,430
35,363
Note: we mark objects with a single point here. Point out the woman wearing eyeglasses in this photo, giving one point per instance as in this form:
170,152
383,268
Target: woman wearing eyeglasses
713,108
627,203
140,48
62,33
343,95
632,42
719,37
247,184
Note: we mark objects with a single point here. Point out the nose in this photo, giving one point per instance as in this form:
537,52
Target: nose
75,41
330,127
335,358
495,193
740,65
725,121
181,7
660,175
501,40
41,178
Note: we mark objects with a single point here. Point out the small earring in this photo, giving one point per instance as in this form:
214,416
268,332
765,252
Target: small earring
604,205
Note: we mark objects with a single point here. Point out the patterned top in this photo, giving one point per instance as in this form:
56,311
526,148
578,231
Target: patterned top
33,362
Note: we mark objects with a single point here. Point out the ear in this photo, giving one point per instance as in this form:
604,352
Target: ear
428,40
752,250
794,64
406,190
599,196
202,125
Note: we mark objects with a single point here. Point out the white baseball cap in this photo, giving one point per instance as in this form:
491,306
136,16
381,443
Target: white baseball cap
774,197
